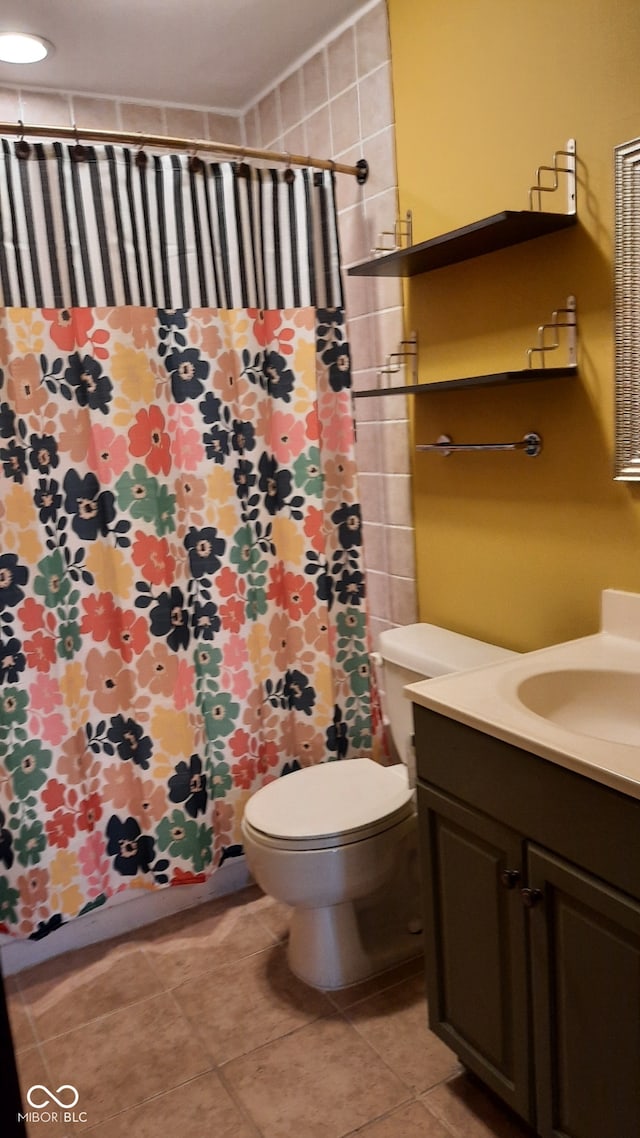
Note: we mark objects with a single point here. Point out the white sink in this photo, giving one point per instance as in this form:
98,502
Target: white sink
604,704
576,703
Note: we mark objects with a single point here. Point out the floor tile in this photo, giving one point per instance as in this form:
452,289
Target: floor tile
411,1121
122,1059
34,1073
345,997
319,1082
22,1032
196,1109
240,1006
192,943
80,986
274,915
394,1022
470,1111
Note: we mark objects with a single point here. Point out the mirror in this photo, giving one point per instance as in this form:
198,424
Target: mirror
627,312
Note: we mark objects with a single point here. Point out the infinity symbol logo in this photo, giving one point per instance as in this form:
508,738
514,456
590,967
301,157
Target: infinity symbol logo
52,1097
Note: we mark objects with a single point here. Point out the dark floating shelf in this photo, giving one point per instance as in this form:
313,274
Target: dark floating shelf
511,227
497,379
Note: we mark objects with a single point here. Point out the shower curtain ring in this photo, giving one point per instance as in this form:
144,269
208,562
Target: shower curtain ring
78,152
141,158
23,149
289,175
243,170
195,164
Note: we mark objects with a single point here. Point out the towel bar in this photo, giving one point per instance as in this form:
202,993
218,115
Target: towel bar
531,444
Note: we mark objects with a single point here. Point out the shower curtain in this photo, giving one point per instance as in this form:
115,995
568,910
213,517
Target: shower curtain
182,612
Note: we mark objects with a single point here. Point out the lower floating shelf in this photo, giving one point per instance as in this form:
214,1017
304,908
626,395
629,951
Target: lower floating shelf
497,379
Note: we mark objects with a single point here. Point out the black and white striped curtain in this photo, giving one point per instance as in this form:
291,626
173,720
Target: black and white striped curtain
112,230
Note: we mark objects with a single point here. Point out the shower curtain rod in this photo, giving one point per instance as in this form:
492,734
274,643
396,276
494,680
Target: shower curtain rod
166,142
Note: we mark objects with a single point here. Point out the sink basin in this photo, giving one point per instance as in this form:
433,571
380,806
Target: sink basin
604,704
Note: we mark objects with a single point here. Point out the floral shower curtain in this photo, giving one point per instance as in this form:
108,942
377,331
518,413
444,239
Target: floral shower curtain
182,613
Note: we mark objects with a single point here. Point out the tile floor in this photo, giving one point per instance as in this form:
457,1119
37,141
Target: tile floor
194,1028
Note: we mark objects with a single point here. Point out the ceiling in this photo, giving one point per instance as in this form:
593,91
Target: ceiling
219,54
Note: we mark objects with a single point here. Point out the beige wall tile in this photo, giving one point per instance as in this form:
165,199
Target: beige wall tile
365,346
10,107
185,123
315,83
349,192
372,39
269,112
46,108
341,57
382,212
372,501
358,293
401,546
318,127
345,121
368,447
375,547
376,100
403,600
378,599
366,410
380,152
354,241
395,406
99,113
252,128
223,128
387,292
143,118
397,499
390,325
295,140
291,100
394,448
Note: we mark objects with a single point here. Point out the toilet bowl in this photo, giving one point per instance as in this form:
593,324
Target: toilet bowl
338,841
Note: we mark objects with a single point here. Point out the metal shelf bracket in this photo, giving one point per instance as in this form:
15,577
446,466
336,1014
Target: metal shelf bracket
400,237
564,162
549,340
406,357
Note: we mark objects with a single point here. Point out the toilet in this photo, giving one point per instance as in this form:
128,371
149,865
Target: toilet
338,841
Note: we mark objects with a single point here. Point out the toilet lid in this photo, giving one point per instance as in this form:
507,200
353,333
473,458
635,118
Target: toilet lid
329,798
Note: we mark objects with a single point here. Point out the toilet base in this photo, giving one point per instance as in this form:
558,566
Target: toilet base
339,945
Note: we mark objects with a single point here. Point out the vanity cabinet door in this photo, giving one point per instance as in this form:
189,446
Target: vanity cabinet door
475,931
585,956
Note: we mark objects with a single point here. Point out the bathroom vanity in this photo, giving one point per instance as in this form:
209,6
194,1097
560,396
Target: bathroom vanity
530,848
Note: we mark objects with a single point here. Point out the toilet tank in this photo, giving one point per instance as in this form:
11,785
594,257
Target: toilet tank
416,652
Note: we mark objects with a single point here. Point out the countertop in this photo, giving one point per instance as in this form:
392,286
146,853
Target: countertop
487,699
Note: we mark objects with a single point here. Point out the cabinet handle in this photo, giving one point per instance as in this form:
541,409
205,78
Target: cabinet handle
510,878
531,897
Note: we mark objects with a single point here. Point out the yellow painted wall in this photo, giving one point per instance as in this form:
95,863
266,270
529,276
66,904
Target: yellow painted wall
510,548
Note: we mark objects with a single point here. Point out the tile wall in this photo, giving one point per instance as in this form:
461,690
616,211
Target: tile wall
338,103
63,108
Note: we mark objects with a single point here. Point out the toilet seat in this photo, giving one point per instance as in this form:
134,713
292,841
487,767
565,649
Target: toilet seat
329,805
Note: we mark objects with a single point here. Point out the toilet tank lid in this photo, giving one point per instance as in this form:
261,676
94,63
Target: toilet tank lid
329,798
431,650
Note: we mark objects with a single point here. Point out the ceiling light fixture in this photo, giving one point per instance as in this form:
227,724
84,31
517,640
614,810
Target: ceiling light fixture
19,47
